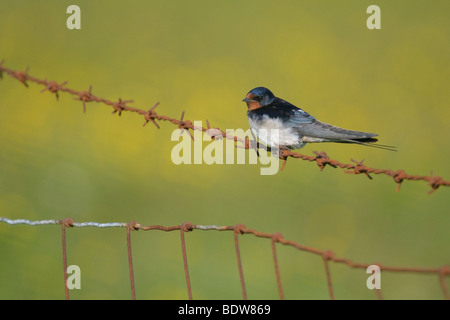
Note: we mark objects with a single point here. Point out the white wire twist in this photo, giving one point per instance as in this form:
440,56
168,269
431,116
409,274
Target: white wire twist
75,224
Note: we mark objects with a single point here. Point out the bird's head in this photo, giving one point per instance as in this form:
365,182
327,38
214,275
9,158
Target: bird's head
258,97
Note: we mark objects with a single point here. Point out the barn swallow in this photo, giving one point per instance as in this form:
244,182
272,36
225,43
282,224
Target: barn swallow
295,126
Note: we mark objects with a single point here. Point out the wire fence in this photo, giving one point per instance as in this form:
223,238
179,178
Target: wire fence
239,229
150,115
320,158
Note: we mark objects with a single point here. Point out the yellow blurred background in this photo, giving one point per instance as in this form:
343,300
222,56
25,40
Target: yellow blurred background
203,57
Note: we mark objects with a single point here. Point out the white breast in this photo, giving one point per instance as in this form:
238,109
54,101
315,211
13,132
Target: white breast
272,133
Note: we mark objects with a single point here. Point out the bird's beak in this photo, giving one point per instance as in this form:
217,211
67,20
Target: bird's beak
246,100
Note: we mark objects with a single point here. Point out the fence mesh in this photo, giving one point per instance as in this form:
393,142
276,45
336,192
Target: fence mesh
276,238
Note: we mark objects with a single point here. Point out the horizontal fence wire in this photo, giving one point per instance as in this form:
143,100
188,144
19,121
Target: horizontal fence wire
327,255
150,115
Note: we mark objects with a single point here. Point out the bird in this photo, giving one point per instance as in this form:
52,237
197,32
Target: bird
295,126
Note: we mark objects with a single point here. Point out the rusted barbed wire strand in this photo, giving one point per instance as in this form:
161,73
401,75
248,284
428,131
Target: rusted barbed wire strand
327,255
320,158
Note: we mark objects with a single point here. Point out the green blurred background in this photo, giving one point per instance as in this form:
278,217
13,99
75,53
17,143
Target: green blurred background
203,57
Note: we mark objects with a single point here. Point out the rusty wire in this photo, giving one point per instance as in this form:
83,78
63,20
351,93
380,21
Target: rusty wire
66,223
130,261
320,158
187,226
239,229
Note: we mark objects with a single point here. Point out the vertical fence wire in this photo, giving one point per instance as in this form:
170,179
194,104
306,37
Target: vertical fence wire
238,258
186,227
327,255
378,294
130,263
67,222
445,270
64,254
275,238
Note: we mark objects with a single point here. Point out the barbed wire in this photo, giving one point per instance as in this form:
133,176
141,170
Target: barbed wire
150,115
239,229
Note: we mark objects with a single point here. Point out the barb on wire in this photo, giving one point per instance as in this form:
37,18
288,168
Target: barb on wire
119,106
239,229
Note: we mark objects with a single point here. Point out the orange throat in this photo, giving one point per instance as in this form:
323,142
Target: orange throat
253,105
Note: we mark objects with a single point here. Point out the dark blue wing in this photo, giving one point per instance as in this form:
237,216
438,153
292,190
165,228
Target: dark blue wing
285,111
